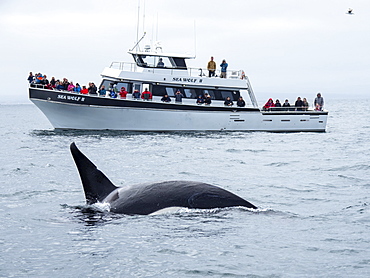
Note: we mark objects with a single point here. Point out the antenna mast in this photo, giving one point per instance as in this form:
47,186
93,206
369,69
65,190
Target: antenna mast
137,27
195,39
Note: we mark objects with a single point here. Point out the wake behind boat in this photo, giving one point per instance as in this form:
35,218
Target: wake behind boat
171,103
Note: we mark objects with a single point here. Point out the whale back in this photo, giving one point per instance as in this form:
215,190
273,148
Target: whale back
96,185
148,198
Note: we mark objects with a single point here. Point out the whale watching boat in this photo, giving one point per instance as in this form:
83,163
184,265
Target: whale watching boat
71,110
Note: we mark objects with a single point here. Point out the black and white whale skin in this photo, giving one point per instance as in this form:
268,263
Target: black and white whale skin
149,198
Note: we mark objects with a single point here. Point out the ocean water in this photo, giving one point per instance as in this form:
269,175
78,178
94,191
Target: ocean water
312,190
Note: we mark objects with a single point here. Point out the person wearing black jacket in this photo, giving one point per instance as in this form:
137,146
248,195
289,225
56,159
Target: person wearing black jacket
166,98
286,103
299,103
240,102
92,89
208,99
228,102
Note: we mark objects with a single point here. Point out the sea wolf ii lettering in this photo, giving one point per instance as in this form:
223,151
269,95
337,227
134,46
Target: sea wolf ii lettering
74,98
184,79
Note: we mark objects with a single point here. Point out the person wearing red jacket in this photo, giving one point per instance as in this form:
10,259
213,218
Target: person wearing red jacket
146,95
84,90
269,104
123,93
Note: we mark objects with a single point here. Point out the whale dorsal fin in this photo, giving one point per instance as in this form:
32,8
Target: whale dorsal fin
96,185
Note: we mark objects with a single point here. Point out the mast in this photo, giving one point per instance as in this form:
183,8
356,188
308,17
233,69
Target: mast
137,27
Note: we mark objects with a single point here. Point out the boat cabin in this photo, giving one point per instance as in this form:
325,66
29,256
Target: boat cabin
166,73
157,60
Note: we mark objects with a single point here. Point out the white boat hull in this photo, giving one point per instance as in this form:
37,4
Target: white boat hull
89,117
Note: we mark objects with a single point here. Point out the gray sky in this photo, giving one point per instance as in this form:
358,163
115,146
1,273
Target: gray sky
288,48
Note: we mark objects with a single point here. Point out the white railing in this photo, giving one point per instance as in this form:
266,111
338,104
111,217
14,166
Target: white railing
203,72
288,108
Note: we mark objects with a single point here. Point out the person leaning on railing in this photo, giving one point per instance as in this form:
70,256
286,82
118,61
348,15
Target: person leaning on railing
269,104
298,104
146,95
200,100
228,102
305,104
207,100
102,92
240,102
77,88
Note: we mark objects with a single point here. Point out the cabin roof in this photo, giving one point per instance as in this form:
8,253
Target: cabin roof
162,54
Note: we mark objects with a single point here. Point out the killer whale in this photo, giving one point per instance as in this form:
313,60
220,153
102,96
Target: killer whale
148,198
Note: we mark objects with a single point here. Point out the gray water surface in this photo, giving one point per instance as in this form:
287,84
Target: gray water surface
312,190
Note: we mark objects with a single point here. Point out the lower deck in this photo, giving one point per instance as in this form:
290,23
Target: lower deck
75,111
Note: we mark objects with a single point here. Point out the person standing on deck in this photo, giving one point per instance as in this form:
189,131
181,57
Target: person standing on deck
123,93
31,78
146,95
211,67
136,94
178,96
223,66
319,102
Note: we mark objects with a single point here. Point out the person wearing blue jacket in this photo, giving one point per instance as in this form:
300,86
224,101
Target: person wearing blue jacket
102,92
178,96
223,66
136,94
77,89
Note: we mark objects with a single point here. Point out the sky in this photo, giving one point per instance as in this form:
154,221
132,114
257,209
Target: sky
288,48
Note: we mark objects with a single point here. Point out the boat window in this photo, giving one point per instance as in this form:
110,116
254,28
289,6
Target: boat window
139,61
225,94
190,93
211,93
105,83
170,91
158,90
178,63
153,61
148,61
234,95
136,86
119,85
127,86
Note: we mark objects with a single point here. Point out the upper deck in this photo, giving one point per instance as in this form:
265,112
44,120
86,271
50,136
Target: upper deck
157,66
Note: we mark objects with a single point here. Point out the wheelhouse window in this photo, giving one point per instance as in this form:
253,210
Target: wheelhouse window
148,61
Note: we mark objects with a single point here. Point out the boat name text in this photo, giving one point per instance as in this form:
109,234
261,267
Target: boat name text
184,79
75,98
